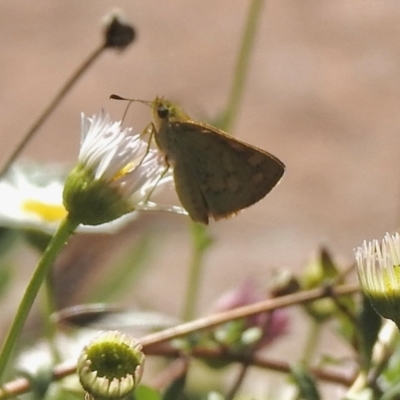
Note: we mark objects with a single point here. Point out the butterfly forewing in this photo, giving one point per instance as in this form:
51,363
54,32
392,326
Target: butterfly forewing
190,193
215,174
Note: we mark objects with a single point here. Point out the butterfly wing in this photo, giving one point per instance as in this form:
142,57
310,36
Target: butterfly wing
217,175
190,193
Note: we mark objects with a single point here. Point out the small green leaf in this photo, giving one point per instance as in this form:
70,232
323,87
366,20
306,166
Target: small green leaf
305,383
319,271
146,393
370,323
175,391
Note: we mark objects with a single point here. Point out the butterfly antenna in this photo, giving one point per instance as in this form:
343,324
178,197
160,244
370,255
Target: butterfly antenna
130,101
118,97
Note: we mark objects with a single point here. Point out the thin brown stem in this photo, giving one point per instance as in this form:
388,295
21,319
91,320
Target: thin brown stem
246,311
255,360
244,367
51,107
344,309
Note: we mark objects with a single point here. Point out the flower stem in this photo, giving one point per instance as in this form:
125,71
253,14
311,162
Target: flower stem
242,65
226,123
201,241
51,106
312,342
64,231
49,307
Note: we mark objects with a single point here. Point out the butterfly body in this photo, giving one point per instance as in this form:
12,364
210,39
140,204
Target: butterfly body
215,174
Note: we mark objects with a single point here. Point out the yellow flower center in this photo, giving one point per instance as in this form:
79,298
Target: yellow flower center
123,171
48,212
392,280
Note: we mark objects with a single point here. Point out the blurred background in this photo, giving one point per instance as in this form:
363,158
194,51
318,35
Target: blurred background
322,94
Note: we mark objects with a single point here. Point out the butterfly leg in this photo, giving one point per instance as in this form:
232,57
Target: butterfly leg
158,181
150,129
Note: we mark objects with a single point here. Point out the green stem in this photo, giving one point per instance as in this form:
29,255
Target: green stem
312,342
201,241
242,65
49,301
64,231
51,106
193,286
240,74
49,308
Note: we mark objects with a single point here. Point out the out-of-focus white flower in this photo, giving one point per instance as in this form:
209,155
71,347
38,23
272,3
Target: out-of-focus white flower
378,266
116,173
38,360
40,356
31,199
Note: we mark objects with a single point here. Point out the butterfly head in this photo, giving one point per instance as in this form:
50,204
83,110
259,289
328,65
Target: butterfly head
165,111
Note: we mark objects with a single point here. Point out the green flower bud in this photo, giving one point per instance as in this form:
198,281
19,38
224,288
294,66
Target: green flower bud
110,366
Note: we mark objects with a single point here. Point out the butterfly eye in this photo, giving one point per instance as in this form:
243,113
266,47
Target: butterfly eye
162,112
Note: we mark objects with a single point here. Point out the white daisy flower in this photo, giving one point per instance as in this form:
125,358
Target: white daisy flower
116,173
31,199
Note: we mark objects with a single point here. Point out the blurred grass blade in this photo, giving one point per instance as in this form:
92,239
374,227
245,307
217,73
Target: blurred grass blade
7,240
6,275
123,274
